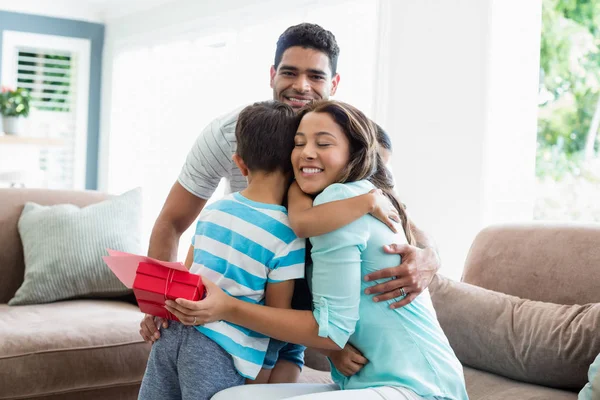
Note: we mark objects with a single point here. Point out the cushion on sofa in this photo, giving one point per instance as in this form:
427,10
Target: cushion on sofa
484,385
550,262
316,360
12,201
63,247
68,346
530,341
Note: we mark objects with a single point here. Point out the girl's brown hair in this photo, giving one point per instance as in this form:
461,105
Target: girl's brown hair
364,161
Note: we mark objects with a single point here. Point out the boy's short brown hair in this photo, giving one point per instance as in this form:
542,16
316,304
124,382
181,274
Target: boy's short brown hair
265,136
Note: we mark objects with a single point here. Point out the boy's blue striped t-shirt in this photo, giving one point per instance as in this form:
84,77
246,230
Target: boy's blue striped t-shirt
240,245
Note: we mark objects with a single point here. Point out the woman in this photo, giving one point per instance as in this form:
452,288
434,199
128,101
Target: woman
336,157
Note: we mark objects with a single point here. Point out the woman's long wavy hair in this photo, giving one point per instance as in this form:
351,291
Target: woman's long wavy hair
364,161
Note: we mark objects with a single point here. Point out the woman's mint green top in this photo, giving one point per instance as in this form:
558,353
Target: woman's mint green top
406,346
591,391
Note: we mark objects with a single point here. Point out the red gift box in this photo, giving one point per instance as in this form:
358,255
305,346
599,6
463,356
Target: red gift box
154,284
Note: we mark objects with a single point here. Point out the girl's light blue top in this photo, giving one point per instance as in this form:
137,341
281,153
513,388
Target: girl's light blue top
406,346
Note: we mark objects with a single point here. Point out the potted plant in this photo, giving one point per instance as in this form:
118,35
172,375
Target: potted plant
13,105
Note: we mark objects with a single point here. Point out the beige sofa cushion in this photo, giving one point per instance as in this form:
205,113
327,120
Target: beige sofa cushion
63,247
485,386
12,200
64,347
530,341
316,360
555,263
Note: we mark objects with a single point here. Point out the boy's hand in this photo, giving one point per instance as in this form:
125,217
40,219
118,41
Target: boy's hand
149,327
384,210
348,360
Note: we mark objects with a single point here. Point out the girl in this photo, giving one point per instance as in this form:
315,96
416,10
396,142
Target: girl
335,158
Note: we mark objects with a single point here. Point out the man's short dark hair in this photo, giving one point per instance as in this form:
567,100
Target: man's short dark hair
310,36
383,138
265,136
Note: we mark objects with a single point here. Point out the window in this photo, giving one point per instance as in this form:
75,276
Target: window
55,70
47,76
568,162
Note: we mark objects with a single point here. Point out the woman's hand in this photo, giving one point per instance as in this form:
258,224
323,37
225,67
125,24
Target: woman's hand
347,361
214,307
384,210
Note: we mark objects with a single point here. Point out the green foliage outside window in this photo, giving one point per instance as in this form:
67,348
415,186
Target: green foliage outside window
569,86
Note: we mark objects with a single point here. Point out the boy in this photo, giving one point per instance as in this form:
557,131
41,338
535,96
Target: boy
244,244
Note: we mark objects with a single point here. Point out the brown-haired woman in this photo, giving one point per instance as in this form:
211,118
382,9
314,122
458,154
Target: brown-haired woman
336,157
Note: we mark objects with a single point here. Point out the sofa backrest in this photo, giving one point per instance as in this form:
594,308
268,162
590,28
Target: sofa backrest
557,263
12,266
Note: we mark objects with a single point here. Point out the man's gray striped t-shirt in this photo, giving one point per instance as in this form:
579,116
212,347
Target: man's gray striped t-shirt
209,160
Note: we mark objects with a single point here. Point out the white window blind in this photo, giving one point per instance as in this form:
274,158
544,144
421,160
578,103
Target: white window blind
49,76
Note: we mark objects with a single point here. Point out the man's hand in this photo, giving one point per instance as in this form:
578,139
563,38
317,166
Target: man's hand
411,277
149,328
348,360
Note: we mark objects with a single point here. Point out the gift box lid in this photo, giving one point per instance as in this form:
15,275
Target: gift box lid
159,271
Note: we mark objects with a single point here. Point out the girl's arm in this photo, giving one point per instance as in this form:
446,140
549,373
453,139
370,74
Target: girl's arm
294,326
336,294
309,221
284,324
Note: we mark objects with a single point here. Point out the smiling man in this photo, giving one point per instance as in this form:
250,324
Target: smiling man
302,72
304,69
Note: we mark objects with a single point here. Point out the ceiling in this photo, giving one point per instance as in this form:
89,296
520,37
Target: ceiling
88,10
112,9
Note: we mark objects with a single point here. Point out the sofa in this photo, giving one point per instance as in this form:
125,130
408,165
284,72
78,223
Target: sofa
91,348
527,308
73,349
538,269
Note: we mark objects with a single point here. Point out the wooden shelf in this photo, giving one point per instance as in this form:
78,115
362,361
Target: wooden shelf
29,140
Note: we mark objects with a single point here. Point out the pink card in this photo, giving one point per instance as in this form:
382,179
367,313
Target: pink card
124,265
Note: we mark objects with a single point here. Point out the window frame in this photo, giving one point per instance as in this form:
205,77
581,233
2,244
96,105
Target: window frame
12,40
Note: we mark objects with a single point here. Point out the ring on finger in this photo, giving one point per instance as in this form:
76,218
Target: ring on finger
402,292
194,322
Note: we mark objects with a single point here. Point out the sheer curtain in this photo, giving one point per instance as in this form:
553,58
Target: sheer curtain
164,94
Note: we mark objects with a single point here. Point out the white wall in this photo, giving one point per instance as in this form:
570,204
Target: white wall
191,19
69,9
99,11
512,106
459,97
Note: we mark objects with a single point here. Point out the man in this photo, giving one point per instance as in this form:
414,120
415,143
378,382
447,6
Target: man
305,69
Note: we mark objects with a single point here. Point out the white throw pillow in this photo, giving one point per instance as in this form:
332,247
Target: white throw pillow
63,247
